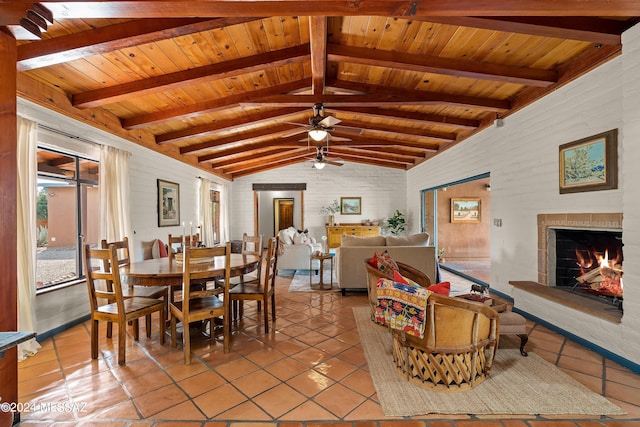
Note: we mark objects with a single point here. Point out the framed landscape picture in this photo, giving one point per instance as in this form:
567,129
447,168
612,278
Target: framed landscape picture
168,203
465,210
350,206
590,164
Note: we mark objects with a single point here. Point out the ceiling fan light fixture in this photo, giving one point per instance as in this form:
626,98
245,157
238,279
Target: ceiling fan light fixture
319,165
318,134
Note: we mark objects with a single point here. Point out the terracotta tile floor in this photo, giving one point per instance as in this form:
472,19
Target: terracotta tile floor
310,371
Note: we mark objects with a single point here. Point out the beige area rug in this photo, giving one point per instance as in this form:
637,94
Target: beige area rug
517,385
300,282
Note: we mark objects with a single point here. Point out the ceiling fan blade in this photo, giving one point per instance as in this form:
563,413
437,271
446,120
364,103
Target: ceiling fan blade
329,121
338,138
297,132
331,162
350,129
296,124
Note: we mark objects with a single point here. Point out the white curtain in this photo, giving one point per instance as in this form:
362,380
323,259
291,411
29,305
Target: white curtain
205,214
223,233
26,231
115,222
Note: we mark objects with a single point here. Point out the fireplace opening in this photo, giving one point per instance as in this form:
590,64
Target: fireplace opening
587,262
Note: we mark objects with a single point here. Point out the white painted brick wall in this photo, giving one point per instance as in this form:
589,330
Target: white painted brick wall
522,158
381,190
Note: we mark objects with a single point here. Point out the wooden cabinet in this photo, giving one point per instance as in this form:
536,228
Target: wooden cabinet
335,232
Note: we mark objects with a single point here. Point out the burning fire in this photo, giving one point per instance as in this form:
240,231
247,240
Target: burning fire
605,279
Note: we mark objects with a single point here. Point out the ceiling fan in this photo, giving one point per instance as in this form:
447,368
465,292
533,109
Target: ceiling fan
319,125
321,158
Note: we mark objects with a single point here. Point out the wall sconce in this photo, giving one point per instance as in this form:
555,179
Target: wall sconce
487,187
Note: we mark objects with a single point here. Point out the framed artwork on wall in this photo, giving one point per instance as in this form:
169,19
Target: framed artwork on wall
465,210
350,206
590,164
168,203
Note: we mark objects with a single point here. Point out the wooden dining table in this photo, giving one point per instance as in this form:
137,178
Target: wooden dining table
161,271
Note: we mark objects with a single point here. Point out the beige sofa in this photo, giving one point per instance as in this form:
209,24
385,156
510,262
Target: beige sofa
412,250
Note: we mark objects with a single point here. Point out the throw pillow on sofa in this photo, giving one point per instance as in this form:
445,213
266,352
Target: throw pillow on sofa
299,238
286,235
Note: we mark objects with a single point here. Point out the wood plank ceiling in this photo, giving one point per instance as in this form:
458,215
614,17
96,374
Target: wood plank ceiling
230,86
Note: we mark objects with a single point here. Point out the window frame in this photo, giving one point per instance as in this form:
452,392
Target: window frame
80,184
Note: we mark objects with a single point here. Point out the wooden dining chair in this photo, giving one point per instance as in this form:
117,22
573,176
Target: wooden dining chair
192,241
263,290
103,282
200,304
251,245
162,292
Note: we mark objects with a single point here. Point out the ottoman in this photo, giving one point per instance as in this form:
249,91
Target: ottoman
514,324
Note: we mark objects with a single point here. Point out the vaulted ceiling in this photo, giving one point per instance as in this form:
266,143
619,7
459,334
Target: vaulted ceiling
229,86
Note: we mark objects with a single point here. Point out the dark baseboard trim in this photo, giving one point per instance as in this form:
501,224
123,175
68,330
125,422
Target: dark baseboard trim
50,333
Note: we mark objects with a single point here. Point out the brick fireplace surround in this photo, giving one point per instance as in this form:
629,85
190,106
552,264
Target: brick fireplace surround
602,221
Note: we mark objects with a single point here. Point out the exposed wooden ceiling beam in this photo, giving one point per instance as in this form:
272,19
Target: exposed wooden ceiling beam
372,141
113,37
399,149
145,120
287,159
580,28
383,99
398,130
253,156
231,150
410,116
438,65
239,138
318,41
399,8
367,154
251,119
265,160
192,76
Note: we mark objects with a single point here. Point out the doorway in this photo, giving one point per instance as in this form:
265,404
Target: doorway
265,207
283,210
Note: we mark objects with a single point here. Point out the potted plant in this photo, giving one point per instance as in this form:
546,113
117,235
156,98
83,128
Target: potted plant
331,210
396,224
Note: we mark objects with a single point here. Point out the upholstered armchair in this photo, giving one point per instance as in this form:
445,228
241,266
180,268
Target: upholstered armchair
296,249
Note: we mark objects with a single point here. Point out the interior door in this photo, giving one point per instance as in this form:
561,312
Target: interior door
283,214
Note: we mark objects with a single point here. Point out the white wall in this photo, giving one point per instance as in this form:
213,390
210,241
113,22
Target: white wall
522,158
381,189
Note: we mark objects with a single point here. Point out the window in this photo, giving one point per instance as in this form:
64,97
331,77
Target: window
67,215
215,213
